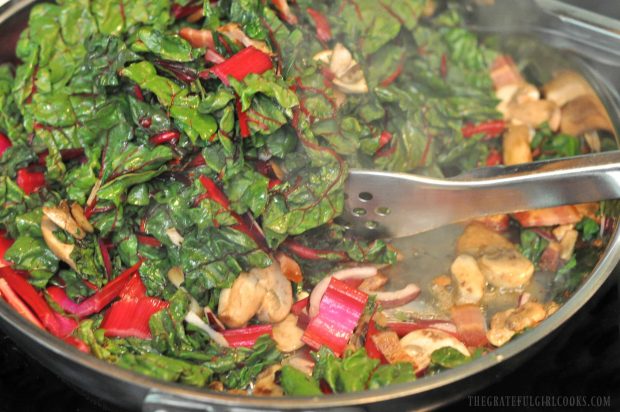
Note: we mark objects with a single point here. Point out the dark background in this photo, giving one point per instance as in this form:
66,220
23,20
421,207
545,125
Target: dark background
583,358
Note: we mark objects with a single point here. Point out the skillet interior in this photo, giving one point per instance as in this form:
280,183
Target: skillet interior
129,389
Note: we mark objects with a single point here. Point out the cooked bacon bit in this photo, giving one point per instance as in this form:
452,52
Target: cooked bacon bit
470,323
552,216
504,72
389,345
498,223
290,268
198,38
285,11
373,283
442,281
550,258
234,32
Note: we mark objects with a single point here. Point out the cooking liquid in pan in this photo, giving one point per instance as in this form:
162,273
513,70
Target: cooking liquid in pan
429,255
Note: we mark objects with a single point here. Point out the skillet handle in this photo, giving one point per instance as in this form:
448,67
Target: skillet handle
157,401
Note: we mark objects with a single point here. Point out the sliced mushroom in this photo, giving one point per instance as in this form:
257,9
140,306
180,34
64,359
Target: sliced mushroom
515,94
61,250
468,279
504,325
583,114
263,292
234,32
533,113
506,268
478,239
175,237
287,334
176,276
421,343
239,303
516,145
266,385
278,297
348,74
566,86
62,218
80,218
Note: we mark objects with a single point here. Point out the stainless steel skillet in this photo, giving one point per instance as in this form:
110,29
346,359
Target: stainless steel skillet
133,391
394,205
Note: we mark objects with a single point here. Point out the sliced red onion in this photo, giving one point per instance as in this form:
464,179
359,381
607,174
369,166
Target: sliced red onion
396,298
214,320
195,320
361,272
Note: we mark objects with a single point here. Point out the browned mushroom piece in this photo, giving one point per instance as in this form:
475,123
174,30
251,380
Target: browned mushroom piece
348,75
565,86
533,113
80,218
235,33
61,250
583,114
61,216
516,145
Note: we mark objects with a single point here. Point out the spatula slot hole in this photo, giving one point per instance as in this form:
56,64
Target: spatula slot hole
382,211
371,225
365,196
359,211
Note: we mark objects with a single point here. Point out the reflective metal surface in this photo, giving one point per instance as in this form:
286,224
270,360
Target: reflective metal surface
137,392
393,205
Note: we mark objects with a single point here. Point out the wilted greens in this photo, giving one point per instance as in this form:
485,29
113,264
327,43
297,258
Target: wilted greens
207,137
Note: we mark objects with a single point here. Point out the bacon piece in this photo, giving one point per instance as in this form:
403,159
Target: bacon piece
504,72
198,38
470,323
552,216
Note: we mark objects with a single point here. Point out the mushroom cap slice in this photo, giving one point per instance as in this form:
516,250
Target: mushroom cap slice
421,343
80,218
63,219
61,250
278,298
239,303
506,268
287,334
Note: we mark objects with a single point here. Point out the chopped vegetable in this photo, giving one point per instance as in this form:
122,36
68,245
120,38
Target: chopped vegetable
248,60
130,316
339,312
179,167
246,337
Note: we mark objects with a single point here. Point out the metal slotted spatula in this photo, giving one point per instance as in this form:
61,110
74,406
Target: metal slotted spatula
393,205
